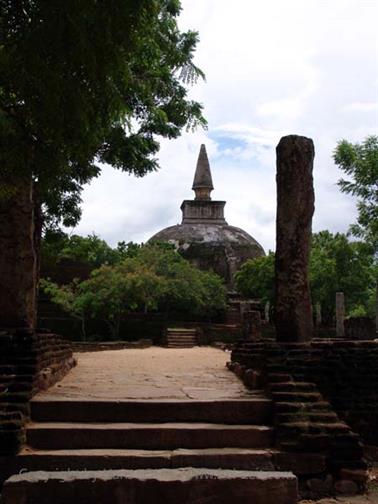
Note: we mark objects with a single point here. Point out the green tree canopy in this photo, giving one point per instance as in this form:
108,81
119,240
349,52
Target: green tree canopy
91,249
359,161
188,289
255,278
336,264
156,276
340,265
82,83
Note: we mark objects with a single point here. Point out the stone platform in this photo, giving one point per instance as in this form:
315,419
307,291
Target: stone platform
151,373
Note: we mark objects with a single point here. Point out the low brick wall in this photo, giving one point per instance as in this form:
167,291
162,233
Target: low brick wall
360,328
100,346
346,372
321,392
29,362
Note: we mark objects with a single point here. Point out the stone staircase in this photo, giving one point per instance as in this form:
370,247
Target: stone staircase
325,453
181,337
173,451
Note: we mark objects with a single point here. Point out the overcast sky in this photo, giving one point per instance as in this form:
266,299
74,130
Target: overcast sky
273,68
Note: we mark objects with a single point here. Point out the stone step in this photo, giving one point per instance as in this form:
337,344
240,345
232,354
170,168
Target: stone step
181,330
293,386
181,338
16,369
174,339
13,407
293,407
318,416
297,396
277,368
159,486
180,345
309,427
181,335
13,378
147,436
101,459
183,345
15,387
278,377
233,411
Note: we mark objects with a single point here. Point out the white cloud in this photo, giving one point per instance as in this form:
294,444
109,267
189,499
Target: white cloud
273,68
361,107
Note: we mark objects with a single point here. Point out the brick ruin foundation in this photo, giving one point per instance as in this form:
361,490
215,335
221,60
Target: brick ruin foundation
325,404
29,362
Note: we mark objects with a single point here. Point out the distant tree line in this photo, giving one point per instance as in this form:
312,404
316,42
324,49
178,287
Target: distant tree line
336,264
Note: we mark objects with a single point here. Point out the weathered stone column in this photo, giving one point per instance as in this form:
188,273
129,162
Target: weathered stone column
252,325
295,208
267,311
340,315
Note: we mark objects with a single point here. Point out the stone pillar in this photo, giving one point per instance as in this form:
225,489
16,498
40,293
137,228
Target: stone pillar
252,325
318,314
267,311
340,315
295,208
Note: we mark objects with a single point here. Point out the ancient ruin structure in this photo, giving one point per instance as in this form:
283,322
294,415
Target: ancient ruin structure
295,208
204,237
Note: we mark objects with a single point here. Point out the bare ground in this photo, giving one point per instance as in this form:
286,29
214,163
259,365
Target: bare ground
151,373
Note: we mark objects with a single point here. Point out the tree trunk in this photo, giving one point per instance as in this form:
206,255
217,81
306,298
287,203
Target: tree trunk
18,261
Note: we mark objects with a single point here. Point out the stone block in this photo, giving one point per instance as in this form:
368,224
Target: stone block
300,463
320,486
356,475
251,378
346,487
161,486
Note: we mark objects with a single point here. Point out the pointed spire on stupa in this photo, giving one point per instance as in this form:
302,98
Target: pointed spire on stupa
203,183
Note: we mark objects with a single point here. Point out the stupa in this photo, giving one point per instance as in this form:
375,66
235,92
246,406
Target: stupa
204,237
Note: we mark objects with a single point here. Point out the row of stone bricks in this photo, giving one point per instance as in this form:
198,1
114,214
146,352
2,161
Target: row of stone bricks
346,372
305,423
29,361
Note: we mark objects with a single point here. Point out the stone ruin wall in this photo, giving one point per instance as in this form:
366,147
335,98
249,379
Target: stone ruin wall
325,398
29,362
346,373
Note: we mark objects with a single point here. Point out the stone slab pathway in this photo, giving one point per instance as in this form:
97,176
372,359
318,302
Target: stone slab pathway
154,373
